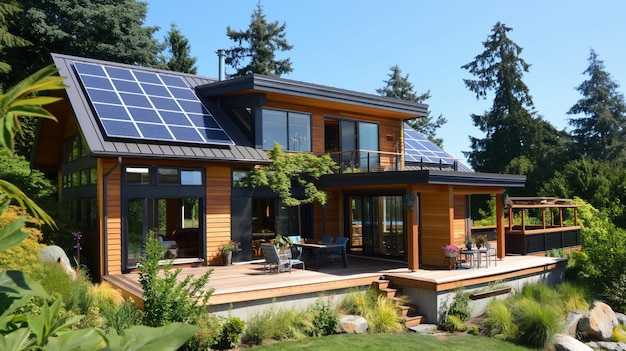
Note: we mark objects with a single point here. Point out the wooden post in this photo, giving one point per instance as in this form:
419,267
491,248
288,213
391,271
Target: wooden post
412,230
523,221
500,225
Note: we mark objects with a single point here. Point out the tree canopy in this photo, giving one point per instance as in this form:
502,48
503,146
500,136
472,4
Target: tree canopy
257,46
513,131
399,86
178,53
600,133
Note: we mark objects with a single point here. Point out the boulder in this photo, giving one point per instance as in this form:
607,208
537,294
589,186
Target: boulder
353,324
571,322
607,346
621,318
564,342
598,324
52,254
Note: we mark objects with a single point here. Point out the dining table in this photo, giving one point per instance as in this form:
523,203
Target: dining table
475,256
318,248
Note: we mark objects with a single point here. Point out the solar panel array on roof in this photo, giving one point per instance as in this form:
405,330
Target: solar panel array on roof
418,149
138,104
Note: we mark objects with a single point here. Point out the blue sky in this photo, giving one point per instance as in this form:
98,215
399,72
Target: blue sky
351,44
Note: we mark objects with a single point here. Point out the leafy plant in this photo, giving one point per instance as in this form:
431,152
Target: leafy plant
460,305
230,334
166,299
325,318
454,323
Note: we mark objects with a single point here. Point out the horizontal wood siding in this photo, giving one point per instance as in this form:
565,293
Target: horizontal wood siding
460,223
435,217
218,224
326,221
114,214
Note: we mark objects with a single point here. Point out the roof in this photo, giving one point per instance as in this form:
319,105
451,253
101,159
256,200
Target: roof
421,153
102,145
258,82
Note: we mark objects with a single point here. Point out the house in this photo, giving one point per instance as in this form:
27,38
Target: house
138,150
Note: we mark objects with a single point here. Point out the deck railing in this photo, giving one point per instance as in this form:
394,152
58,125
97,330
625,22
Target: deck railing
363,160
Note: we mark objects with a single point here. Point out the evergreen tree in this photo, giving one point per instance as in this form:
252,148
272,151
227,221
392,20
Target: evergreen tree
8,13
178,57
400,87
263,40
513,132
601,131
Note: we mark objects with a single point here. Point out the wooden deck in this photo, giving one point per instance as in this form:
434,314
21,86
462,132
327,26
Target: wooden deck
246,282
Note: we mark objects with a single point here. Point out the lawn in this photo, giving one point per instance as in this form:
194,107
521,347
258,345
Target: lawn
389,342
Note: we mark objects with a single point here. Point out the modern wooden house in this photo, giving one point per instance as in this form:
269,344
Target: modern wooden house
138,150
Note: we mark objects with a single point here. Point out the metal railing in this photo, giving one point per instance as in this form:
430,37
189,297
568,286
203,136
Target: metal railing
355,161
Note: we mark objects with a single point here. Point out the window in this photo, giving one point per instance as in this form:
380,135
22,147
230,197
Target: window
291,130
167,176
190,178
137,175
238,176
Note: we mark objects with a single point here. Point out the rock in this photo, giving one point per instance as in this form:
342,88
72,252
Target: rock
621,318
571,322
353,324
424,328
607,346
598,324
53,254
564,342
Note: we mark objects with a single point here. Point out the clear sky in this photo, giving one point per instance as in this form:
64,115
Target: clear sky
351,44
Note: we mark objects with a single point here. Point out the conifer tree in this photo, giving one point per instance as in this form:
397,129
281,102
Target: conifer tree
179,57
256,47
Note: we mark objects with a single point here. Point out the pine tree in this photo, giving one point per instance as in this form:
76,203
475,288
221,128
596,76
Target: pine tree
513,132
400,87
601,131
179,59
263,40
8,14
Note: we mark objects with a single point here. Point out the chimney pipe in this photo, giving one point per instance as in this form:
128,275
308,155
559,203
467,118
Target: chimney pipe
221,53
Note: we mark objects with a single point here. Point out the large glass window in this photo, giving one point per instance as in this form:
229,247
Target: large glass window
291,130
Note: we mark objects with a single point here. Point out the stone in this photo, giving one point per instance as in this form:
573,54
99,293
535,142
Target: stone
56,254
621,318
571,322
353,324
607,346
424,328
598,324
564,342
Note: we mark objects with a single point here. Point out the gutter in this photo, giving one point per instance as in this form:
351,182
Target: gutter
106,214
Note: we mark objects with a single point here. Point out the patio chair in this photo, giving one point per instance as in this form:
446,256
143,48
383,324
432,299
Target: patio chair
274,259
296,251
491,252
327,240
337,252
168,244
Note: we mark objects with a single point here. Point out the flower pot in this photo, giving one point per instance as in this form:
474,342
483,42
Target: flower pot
227,258
449,254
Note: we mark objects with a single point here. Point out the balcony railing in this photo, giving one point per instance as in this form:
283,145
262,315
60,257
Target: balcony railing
361,160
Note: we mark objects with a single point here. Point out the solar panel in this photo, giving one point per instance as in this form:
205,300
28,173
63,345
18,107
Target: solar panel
419,149
131,103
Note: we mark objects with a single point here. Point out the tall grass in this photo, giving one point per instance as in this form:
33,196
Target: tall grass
380,312
536,324
498,322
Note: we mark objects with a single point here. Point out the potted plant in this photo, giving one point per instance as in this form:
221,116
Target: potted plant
227,252
481,240
450,250
283,244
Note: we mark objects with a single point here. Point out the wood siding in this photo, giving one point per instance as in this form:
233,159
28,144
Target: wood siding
113,216
327,221
436,217
218,224
460,222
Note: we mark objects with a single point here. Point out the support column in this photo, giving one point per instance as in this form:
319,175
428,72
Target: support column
500,225
411,231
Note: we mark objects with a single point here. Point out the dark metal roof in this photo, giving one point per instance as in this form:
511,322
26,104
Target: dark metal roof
101,146
422,177
258,82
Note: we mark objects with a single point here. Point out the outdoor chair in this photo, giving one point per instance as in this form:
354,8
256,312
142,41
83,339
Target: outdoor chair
296,251
491,252
168,244
337,252
274,259
327,240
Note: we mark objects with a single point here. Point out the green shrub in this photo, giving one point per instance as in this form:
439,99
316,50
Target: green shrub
383,316
537,323
54,279
120,317
166,299
205,338
540,292
498,322
81,299
454,323
619,334
230,334
615,293
259,327
460,305
473,330
325,318
573,297
25,256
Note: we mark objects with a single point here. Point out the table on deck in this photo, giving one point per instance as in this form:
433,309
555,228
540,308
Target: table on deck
476,256
318,248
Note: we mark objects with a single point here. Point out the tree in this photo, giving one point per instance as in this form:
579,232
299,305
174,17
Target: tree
398,86
601,132
263,40
178,58
511,127
8,13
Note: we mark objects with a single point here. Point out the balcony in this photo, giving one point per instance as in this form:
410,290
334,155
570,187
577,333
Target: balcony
368,161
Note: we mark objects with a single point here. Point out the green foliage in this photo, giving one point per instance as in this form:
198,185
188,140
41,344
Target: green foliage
400,87
230,334
207,336
380,312
498,322
166,299
454,323
460,305
288,169
16,169
615,293
536,323
120,317
325,318
178,58
619,334
263,39
24,256
53,278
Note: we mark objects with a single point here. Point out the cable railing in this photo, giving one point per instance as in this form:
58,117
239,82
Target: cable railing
361,160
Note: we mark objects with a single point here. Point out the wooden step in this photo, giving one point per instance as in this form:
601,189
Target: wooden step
404,310
411,321
388,292
397,300
380,284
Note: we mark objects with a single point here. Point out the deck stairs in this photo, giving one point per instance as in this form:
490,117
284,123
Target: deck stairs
408,312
